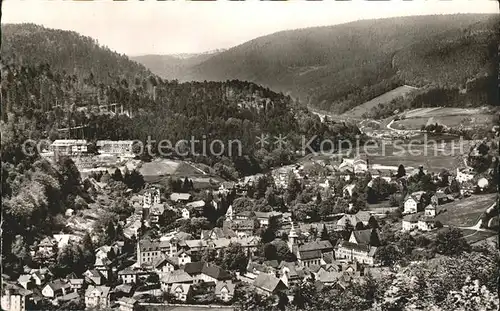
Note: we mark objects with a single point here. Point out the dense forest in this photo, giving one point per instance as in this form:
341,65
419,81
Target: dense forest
41,95
339,67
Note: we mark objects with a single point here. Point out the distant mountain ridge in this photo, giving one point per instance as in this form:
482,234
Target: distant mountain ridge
339,67
174,66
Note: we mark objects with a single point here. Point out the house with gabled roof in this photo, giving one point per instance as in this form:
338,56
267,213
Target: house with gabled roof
174,277
314,253
181,291
14,297
206,272
268,284
47,247
93,276
26,281
180,197
38,276
217,233
242,228
358,247
97,297
414,202
165,264
56,288
130,275
225,290
127,304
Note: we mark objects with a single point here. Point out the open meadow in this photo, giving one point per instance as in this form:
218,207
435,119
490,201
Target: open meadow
466,212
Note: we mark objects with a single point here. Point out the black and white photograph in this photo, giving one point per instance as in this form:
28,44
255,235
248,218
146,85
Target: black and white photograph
250,155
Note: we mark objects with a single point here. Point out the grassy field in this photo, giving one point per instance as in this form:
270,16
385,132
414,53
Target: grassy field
451,117
477,236
385,98
466,212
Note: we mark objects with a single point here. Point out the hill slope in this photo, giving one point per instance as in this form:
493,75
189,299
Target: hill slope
339,67
28,44
173,67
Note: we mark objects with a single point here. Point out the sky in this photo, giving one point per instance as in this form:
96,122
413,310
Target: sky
169,27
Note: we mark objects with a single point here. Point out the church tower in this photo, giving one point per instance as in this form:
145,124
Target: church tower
292,236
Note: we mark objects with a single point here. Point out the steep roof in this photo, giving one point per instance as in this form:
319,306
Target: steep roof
227,284
362,236
267,282
206,268
177,276
148,245
316,245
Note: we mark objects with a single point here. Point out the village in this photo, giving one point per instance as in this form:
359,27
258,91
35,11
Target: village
179,245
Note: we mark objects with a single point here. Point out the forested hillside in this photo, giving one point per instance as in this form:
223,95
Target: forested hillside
68,51
339,67
172,67
38,98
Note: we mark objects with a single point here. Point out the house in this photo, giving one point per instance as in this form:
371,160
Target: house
359,247
129,275
68,146
151,196
102,252
127,304
117,147
123,290
430,210
76,283
196,204
165,264
93,276
73,296
185,213
15,298
426,223
217,233
56,288
175,277
206,272
26,281
229,213
181,291
148,251
441,198
314,253
355,220
183,258
348,190
356,252
410,222
38,276
64,239
361,236
97,297
180,197
157,214
268,284
413,203
265,217
242,228
224,290
47,247
328,277
464,174
291,273
103,265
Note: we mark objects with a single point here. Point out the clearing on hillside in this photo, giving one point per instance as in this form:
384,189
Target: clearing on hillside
385,98
465,212
451,117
